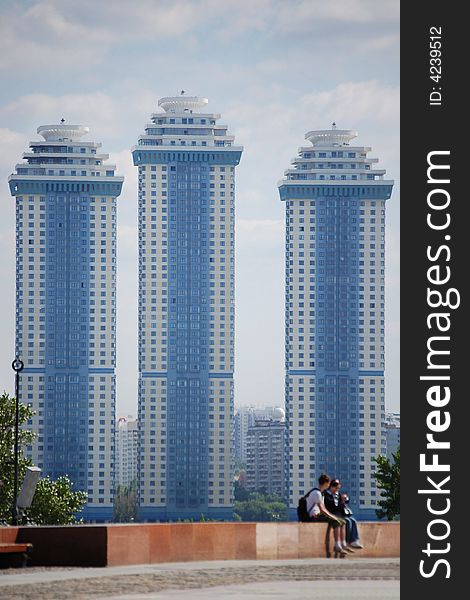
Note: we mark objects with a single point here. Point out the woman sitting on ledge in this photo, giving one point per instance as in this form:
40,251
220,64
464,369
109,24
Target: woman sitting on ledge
318,512
337,504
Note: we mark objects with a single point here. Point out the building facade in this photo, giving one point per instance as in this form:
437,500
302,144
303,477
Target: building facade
334,316
186,163
392,433
265,457
245,417
127,444
65,198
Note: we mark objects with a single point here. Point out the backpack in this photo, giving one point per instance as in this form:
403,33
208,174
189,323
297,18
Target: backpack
302,512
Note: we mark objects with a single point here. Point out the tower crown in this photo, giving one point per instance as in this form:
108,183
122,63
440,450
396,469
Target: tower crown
182,103
331,137
62,131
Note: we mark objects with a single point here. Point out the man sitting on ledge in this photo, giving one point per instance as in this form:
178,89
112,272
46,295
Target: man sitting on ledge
319,513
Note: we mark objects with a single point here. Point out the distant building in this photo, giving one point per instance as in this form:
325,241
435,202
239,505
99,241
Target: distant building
127,439
265,456
245,417
392,433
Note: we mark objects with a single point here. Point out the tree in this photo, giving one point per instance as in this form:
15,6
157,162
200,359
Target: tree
54,502
388,480
240,492
261,507
125,503
7,450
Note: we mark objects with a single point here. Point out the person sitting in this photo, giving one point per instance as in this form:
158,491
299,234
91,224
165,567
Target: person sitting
337,504
318,512
333,504
352,529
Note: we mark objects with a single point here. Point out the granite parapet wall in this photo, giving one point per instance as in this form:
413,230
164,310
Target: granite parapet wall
127,544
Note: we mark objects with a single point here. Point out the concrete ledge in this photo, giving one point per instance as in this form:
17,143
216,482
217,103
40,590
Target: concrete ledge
128,544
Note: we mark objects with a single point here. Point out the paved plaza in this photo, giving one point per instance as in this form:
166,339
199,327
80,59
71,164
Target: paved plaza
352,578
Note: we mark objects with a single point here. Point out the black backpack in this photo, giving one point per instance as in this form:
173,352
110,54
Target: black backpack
302,512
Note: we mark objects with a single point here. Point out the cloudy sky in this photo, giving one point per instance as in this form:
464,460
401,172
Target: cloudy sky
274,69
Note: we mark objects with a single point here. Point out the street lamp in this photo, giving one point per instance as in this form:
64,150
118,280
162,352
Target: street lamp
17,366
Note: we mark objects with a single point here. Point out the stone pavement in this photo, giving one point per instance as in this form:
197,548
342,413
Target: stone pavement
297,579
285,590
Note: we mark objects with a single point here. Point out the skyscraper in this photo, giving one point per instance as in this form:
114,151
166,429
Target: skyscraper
392,433
66,307
245,417
334,316
265,455
186,165
127,450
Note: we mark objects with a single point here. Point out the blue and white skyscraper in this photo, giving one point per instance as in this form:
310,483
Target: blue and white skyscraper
186,163
65,198
334,316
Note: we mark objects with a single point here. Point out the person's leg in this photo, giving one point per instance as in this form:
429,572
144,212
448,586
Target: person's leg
354,533
349,526
354,541
336,524
343,536
337,535
340,534
339,548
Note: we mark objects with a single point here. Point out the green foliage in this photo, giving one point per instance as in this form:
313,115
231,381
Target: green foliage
125,503
7,450
260,507
239,467
54,502
241,494
388,480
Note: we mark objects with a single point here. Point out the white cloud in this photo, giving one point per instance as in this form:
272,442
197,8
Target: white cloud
7,298
12,144
368,101
52,34
311,14
269,101
96,109
259,231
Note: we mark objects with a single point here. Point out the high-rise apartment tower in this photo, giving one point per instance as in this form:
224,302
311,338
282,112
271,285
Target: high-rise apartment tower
127,451
334,316
186,163
66,307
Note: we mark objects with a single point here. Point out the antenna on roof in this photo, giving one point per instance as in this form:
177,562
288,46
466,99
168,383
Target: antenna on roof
333,126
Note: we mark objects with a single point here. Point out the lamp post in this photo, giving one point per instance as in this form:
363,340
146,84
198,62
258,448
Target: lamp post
17,366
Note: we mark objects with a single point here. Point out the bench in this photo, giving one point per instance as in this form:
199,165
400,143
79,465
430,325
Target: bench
13,554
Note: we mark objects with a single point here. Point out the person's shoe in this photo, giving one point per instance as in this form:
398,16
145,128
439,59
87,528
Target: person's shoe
356,544
339,551
348,549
